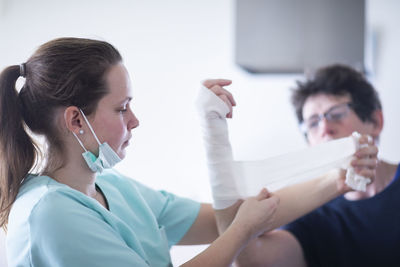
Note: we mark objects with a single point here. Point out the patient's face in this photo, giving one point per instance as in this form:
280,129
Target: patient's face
340,124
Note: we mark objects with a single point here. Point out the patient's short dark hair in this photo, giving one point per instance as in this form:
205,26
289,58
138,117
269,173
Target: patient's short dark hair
338,80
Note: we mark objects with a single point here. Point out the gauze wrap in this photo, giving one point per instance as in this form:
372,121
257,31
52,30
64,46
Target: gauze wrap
231,180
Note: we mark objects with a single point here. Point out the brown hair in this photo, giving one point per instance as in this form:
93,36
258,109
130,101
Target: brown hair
338,80
63,72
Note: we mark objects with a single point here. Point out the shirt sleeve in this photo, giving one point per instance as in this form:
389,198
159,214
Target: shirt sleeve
63,234
175,214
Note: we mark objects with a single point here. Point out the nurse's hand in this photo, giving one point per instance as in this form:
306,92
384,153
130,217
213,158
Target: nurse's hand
217,86
256,214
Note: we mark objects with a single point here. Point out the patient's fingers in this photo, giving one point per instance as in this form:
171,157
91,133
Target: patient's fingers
370,173
228,103
221,82
218,90
226,96
366,139
370,163
370,151
230,96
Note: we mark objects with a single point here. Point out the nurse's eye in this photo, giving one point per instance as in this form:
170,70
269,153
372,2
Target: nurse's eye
122,109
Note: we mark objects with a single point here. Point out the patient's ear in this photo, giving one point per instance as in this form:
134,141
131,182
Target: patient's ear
377,122
73,119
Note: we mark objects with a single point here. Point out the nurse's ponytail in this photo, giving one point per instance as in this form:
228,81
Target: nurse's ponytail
18,153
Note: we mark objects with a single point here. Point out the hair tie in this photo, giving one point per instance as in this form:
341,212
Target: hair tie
22,70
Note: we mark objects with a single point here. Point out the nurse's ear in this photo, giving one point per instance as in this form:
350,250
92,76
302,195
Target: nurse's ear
73,119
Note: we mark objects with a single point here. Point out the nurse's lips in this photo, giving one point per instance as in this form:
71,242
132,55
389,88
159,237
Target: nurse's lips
126,143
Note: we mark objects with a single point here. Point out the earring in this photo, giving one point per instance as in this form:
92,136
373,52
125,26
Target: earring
81,131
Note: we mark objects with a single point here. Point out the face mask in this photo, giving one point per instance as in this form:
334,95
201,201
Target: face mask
107,157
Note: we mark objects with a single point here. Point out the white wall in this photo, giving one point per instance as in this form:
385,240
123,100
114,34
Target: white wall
383,19
168,47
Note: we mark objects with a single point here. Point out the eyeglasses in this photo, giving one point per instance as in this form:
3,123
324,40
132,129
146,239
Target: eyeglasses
334,114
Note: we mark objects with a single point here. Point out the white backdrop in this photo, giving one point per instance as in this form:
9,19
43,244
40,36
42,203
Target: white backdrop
168,48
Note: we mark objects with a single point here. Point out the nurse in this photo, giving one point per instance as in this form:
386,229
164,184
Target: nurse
65,205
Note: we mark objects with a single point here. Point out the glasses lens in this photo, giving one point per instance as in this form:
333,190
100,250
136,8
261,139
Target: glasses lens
310,124
313,122
337,113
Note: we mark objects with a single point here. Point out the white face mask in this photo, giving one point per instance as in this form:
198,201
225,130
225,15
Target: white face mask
107,157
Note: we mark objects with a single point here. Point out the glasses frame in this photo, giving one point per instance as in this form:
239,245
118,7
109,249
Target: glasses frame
327,115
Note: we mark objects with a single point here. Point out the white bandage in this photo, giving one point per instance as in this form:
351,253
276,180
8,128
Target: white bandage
212,111
231,180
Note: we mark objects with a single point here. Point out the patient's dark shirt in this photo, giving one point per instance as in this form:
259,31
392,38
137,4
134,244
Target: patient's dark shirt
353,233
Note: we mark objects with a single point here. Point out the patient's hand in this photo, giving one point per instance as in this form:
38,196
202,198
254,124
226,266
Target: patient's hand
365,162
217,86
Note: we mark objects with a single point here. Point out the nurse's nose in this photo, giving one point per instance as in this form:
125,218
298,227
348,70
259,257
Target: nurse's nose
133,122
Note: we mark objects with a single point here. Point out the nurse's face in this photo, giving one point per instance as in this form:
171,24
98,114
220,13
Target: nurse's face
113,119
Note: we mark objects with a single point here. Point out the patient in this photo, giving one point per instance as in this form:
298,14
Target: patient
358,228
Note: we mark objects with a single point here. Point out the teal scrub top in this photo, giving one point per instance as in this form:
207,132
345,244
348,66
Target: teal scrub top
51,224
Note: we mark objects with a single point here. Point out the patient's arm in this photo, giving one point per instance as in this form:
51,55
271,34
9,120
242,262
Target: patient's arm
280,247
295,200
277,248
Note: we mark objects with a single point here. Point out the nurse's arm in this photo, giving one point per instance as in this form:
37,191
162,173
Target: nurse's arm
204,229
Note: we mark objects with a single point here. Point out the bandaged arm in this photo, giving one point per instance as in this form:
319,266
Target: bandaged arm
212,111
231,180
223,174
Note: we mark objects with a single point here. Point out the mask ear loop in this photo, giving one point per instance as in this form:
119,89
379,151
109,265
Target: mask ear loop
90,127
79,141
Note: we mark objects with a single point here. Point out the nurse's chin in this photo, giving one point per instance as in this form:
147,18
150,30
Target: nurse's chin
121,153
